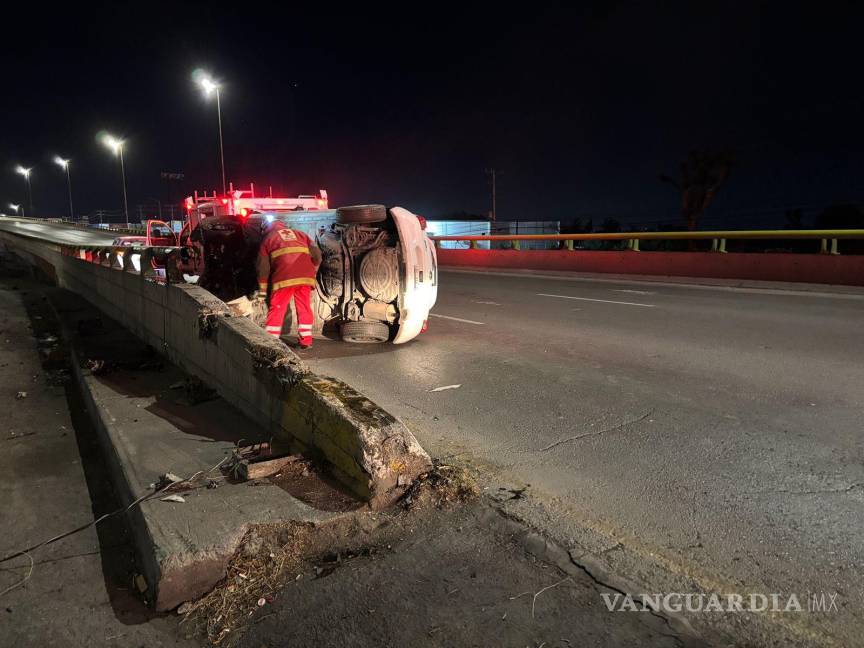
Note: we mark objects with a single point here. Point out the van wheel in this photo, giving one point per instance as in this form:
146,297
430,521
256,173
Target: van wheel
365,332
355,214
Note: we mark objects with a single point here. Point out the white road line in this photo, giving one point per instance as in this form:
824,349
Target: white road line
633,292
455,319
488,303
605,301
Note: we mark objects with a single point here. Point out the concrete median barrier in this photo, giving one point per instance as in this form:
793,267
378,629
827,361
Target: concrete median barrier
370,452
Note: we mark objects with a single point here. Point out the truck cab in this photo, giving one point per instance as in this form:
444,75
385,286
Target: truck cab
378,277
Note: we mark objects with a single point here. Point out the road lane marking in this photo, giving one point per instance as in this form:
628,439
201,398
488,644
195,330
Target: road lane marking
455,319
633,292
488,303
604,301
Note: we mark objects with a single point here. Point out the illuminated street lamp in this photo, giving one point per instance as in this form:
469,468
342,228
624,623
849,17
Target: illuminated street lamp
64,164
26,173
209,86
15,207
116,146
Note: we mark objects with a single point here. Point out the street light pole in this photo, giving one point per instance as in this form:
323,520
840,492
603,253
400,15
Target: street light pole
221,149
123,175
209,86
26,173
64,164
116,145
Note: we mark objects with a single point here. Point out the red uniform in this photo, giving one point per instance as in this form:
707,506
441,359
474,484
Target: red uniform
286,265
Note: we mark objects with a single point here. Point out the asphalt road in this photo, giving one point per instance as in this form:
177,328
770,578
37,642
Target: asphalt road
56,232
701,433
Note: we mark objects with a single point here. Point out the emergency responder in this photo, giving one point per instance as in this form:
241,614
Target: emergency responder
288,261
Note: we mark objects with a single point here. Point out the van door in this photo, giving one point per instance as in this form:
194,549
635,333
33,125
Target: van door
160,234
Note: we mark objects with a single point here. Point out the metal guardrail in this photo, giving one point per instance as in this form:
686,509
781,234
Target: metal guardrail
718,237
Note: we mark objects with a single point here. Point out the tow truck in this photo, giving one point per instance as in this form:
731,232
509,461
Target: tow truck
377,281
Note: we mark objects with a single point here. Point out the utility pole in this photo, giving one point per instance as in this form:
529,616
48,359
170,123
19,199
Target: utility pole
494,212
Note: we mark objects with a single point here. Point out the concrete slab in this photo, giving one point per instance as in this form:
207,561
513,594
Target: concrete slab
148,429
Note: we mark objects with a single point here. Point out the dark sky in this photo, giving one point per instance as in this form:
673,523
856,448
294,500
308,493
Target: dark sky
578,109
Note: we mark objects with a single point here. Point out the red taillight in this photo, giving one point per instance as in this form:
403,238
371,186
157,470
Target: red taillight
425,326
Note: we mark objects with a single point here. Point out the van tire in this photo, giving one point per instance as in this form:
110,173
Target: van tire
361,214
364,332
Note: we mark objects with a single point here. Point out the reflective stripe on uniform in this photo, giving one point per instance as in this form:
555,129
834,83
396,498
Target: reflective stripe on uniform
289,250
300,281
262,286
272,329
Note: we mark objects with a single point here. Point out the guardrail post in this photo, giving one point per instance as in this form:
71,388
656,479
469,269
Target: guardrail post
718,245
834,249
633,245
517,245
722,249
569,244
823,246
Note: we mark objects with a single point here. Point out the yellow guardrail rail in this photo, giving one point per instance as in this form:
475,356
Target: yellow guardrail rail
718,237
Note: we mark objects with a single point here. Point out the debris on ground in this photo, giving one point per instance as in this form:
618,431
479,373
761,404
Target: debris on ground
505,493
20,395
444,484
174,498
165,480
258,461
444,388
140,583
267,561
197,392
97,367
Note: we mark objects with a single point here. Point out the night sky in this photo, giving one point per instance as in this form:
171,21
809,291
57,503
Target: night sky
578,109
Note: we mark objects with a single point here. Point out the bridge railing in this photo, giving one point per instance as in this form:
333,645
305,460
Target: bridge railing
155,263
828,237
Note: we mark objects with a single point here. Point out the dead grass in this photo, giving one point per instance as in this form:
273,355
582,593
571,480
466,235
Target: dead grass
443,485
273,555
267,560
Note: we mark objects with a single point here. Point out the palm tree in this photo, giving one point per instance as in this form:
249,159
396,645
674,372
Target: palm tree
702,173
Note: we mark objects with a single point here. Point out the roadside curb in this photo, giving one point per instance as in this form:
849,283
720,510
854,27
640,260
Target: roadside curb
183,556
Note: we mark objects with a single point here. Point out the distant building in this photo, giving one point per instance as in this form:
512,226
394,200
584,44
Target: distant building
484,228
